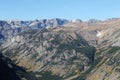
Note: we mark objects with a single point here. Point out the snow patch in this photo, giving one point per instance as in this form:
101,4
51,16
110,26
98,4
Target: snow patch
13,39
99,34
74,20
16,39
15,26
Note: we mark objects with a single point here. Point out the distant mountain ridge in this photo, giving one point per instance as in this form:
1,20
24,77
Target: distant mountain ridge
13,27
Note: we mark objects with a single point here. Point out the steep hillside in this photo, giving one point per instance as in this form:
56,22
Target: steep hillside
76,51
57,51
9,71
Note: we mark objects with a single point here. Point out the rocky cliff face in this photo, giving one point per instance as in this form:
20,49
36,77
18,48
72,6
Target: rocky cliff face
76,51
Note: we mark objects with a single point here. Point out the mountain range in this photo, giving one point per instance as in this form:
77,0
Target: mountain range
61,49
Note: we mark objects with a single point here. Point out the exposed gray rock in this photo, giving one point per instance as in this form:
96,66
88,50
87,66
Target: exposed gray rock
11,28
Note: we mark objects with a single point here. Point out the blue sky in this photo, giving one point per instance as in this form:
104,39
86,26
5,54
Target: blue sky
69,9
